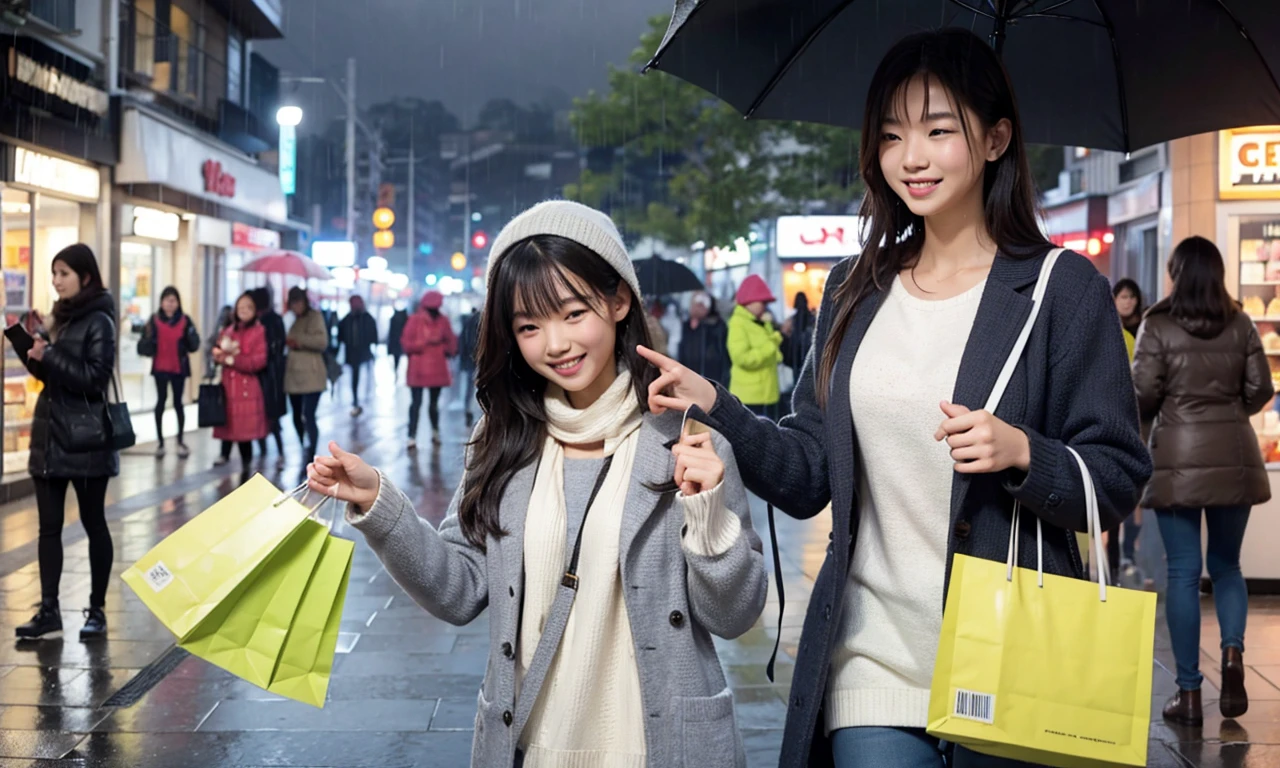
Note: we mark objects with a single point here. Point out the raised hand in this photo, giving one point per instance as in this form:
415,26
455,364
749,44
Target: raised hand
677,387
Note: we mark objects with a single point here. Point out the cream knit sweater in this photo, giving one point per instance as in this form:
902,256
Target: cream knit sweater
907,363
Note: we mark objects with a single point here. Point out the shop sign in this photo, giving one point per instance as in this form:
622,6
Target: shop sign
727,256
245,236
218,181
56,175
819,237
288,159
1249,163
157,225
53,81
334,253
1142,199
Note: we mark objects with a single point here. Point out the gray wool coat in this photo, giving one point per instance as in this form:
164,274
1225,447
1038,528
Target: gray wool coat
1072,388
675,601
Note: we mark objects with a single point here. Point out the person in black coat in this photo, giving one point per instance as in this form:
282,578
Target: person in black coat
357,332
704,344
272,377
70,434
467,342
168,338
394,347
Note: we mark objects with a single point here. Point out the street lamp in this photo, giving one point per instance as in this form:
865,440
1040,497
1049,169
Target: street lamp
290,116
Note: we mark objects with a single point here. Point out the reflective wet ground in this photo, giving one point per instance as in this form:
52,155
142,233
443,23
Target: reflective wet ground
404,686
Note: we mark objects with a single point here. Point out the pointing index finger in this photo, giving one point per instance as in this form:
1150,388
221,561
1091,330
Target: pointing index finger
659,360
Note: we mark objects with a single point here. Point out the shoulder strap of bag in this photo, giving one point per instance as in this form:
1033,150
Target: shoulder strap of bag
782,595
1037,300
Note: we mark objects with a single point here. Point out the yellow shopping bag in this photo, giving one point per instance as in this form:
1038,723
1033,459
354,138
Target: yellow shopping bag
1041,668
245,635
213,557
306,661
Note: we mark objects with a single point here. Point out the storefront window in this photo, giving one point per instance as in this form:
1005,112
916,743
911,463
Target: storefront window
20,389
145,269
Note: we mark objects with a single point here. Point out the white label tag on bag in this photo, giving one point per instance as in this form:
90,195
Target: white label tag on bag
158,576
972,705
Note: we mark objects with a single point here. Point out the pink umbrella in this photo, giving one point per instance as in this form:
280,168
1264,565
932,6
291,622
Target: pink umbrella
288,263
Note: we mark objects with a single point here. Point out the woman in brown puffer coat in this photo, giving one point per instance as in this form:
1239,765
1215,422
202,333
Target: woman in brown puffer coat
1200,372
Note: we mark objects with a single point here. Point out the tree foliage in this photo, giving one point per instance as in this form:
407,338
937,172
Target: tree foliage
669,160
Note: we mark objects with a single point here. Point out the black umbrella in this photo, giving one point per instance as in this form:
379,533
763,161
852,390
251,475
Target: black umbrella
659,277
1107,74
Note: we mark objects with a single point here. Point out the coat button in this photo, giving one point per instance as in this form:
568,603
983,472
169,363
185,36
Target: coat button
826,612
1054,499
511,591
507,650
797,702
506,718
962,529
676,618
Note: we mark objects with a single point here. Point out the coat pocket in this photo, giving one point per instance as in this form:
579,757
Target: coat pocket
707,733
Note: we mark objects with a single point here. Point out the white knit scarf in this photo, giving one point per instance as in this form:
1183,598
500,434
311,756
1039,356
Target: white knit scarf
566,718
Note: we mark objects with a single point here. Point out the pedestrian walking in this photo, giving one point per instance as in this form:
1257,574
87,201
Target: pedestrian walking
169,338
755,349
429,342
70,434
704,342
468,340
306,374
1200,372
272,377
357,333
613,662
1120,556
242,353
887,426
395,348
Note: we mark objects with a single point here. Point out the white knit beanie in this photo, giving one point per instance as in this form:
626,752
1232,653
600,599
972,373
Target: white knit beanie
573,221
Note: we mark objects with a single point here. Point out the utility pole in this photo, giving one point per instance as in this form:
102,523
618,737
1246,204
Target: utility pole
351,150
413,204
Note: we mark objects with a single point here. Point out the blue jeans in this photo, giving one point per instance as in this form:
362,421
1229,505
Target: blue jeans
883,747
1180,530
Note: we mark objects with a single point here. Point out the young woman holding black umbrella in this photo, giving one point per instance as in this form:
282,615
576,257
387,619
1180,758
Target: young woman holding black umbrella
886,426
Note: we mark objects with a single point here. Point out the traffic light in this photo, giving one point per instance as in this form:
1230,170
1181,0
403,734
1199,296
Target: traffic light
384,238
479,240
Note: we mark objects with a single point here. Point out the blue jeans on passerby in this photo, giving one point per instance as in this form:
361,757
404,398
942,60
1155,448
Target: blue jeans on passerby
1180,530
884,747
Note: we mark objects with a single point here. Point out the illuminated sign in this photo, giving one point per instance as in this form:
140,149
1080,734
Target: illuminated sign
334,253
56,174
156,225
55,82
218,182
288,159
245,236
818,237
1249,163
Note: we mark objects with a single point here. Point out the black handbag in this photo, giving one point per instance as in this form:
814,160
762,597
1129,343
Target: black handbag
80,425
119,423
212,405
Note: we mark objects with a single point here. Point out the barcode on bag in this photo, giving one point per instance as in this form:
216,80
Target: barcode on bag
158,576
975,706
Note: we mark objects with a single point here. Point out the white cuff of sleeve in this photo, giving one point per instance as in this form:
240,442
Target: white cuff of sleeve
710,528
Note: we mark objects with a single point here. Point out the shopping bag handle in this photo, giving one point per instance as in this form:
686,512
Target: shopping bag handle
1093,522
301,492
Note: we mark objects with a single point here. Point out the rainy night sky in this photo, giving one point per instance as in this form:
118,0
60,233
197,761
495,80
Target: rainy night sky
462,52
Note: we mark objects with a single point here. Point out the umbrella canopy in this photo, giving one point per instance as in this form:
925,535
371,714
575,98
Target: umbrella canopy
1106,74
288,263
659,277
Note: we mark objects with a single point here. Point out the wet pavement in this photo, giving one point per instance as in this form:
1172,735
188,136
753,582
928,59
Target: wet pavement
404,685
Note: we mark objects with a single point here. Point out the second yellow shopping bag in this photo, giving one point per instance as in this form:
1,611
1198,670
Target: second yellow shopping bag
1046,669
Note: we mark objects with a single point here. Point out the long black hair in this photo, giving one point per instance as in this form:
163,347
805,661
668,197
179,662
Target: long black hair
971,73
1199,301
235,316
1132,322
78,258
534,272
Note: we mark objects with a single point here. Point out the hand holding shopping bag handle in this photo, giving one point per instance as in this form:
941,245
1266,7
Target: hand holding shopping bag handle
344,476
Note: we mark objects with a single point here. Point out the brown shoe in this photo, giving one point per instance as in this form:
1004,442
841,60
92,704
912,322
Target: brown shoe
1234,701
1184,709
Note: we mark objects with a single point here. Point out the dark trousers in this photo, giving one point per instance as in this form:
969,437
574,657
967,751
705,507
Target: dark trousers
51,501
246,451
355,383
274,426
164,382
415,407
304,418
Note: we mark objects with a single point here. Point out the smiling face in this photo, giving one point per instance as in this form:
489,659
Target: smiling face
925,155
573,346
246,310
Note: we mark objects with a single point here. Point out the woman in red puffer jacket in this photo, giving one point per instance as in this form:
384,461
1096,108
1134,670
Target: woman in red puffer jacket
242,353
429,342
